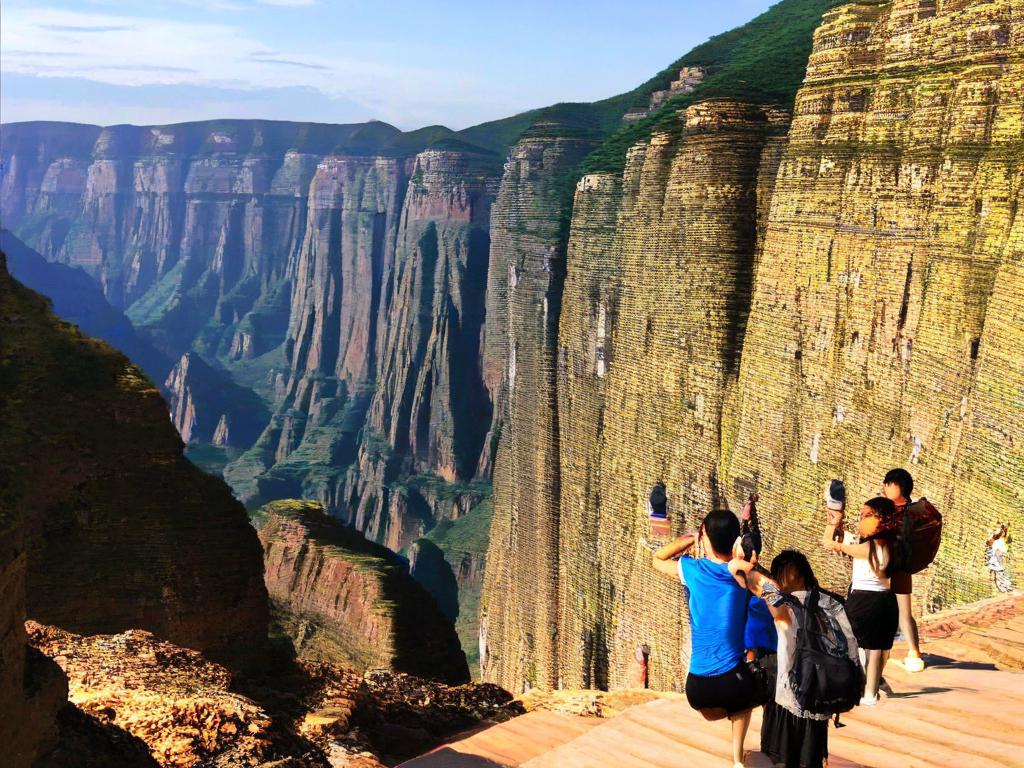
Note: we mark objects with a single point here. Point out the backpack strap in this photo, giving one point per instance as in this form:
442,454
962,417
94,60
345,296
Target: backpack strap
806,641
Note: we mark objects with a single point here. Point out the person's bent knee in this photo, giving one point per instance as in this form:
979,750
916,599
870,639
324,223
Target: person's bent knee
714,713
740,715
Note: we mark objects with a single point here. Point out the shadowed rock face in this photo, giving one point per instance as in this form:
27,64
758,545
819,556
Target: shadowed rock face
527,269
208,407
343,599
121,531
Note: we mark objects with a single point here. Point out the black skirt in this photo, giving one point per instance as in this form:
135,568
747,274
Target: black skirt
795,742
874,618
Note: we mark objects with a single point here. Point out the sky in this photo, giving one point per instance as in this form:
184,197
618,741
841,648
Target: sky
411,64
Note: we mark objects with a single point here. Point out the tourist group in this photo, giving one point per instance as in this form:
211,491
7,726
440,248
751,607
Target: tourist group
776,638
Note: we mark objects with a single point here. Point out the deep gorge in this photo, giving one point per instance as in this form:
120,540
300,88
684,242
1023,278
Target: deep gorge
745,285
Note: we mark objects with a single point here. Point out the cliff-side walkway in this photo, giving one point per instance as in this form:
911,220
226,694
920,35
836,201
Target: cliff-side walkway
964,709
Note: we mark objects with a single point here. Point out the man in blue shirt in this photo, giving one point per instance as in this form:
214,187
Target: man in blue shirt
719,683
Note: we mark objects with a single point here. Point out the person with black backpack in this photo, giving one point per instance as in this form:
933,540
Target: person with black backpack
819,674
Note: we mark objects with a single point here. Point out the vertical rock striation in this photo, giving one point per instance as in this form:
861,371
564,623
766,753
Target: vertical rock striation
429,412
882,309
519,607
660,264
208,407
749,310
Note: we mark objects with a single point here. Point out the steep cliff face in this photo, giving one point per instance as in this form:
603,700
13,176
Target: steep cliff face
341,598
208,407
659,270
384,408
122,531
526,273
882,314
882,240
429,412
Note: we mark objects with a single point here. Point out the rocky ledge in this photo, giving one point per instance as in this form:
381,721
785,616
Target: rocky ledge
340,598
137,700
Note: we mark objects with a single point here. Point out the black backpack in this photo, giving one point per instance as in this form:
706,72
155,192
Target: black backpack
824,679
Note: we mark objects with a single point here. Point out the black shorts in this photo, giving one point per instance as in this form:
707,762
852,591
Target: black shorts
874,618
732,691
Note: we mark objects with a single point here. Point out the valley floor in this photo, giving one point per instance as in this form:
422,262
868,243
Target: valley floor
963,710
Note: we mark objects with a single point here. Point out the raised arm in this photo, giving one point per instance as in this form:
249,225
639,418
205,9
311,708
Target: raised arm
762,585
829,537
663,559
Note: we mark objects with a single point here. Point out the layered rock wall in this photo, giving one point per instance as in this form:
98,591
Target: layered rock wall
519,607
750,309
659,279
429,407
882,308
342,599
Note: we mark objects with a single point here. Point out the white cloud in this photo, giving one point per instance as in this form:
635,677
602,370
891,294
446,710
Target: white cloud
140,51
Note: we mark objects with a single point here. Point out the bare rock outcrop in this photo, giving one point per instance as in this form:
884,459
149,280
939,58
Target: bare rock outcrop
341,598
120,530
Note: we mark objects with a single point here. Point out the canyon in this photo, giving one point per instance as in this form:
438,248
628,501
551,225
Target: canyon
795,254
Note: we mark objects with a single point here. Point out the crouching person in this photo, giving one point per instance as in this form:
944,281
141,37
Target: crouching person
719,683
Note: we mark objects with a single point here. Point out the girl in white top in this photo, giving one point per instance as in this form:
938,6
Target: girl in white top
871,607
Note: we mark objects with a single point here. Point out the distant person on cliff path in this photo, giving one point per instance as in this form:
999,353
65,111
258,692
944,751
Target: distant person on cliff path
997,547
897,487
719,683
871,605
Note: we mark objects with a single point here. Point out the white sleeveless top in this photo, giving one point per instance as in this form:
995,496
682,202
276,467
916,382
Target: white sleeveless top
865,578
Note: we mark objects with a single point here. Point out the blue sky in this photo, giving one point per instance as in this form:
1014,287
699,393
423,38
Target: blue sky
409,63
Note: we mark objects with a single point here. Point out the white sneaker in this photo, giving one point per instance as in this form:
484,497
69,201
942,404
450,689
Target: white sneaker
913,664
869,701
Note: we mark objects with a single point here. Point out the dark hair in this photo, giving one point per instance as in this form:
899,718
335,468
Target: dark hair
658,500
796,560
901,478
722,528
886,510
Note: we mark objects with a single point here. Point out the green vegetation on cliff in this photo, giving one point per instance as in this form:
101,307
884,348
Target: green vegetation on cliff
462,543
762,61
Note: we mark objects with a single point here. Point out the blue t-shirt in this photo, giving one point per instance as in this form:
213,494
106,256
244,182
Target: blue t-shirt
718,615
760,632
